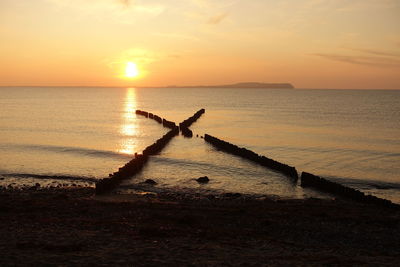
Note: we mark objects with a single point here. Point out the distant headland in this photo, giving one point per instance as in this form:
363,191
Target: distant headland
241,85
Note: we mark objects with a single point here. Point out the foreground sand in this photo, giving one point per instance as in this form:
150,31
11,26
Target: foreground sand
66,227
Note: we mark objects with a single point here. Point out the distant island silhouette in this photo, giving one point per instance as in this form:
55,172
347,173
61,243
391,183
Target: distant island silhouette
240,85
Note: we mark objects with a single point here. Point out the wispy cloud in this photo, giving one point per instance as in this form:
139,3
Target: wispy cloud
141,56
345,5
217,19
124,11
376,52
375,61
177,36
368,4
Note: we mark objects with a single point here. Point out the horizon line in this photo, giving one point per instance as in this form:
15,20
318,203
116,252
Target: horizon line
191,87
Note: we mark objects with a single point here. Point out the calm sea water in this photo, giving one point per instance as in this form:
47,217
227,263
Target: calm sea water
77,135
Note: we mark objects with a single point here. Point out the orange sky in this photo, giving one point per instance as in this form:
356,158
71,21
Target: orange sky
310,43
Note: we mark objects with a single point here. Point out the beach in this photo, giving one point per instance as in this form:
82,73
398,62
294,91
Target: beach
72,226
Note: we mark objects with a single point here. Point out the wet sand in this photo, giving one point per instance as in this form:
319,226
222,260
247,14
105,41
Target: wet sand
66,227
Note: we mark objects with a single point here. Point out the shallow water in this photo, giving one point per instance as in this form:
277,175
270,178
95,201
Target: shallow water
350,136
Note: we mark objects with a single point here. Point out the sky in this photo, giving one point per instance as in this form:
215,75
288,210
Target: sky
309,43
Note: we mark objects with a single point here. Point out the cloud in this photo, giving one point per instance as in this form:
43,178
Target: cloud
376,52
217,19
375,61
177,36
141,56
368,57
357,5
123,10
345,5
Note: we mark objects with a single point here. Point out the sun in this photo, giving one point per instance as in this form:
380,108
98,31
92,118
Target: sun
131,70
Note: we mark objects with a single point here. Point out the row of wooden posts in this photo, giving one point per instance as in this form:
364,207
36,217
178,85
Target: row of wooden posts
313,181
307,179
184,126
250,155
135,165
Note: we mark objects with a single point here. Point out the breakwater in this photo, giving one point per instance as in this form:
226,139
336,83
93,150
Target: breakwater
189,121
129,169
143,113
169,124
184,126
161,143
149,115
321,184
135,165
250,155
307,179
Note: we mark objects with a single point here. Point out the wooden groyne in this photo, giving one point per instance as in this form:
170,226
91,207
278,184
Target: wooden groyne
307,179
143,113
321,184
189,121
184,126
250,155
149,115
157,119
135,165
169,124
161,143
129,169
186,132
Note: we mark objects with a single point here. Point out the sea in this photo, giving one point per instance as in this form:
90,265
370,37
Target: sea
73,136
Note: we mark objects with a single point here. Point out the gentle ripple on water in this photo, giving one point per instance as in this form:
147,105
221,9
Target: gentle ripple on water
348,135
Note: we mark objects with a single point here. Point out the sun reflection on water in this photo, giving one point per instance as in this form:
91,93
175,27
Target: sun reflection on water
129,127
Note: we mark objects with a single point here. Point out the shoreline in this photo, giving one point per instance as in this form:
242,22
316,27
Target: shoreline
58,182
73,226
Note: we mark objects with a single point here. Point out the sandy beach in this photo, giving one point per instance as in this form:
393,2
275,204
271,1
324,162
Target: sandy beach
72,226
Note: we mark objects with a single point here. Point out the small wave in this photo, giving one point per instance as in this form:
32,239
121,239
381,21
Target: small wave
72,150
171,189
363,152
174,161
50,177
366,184
230,170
